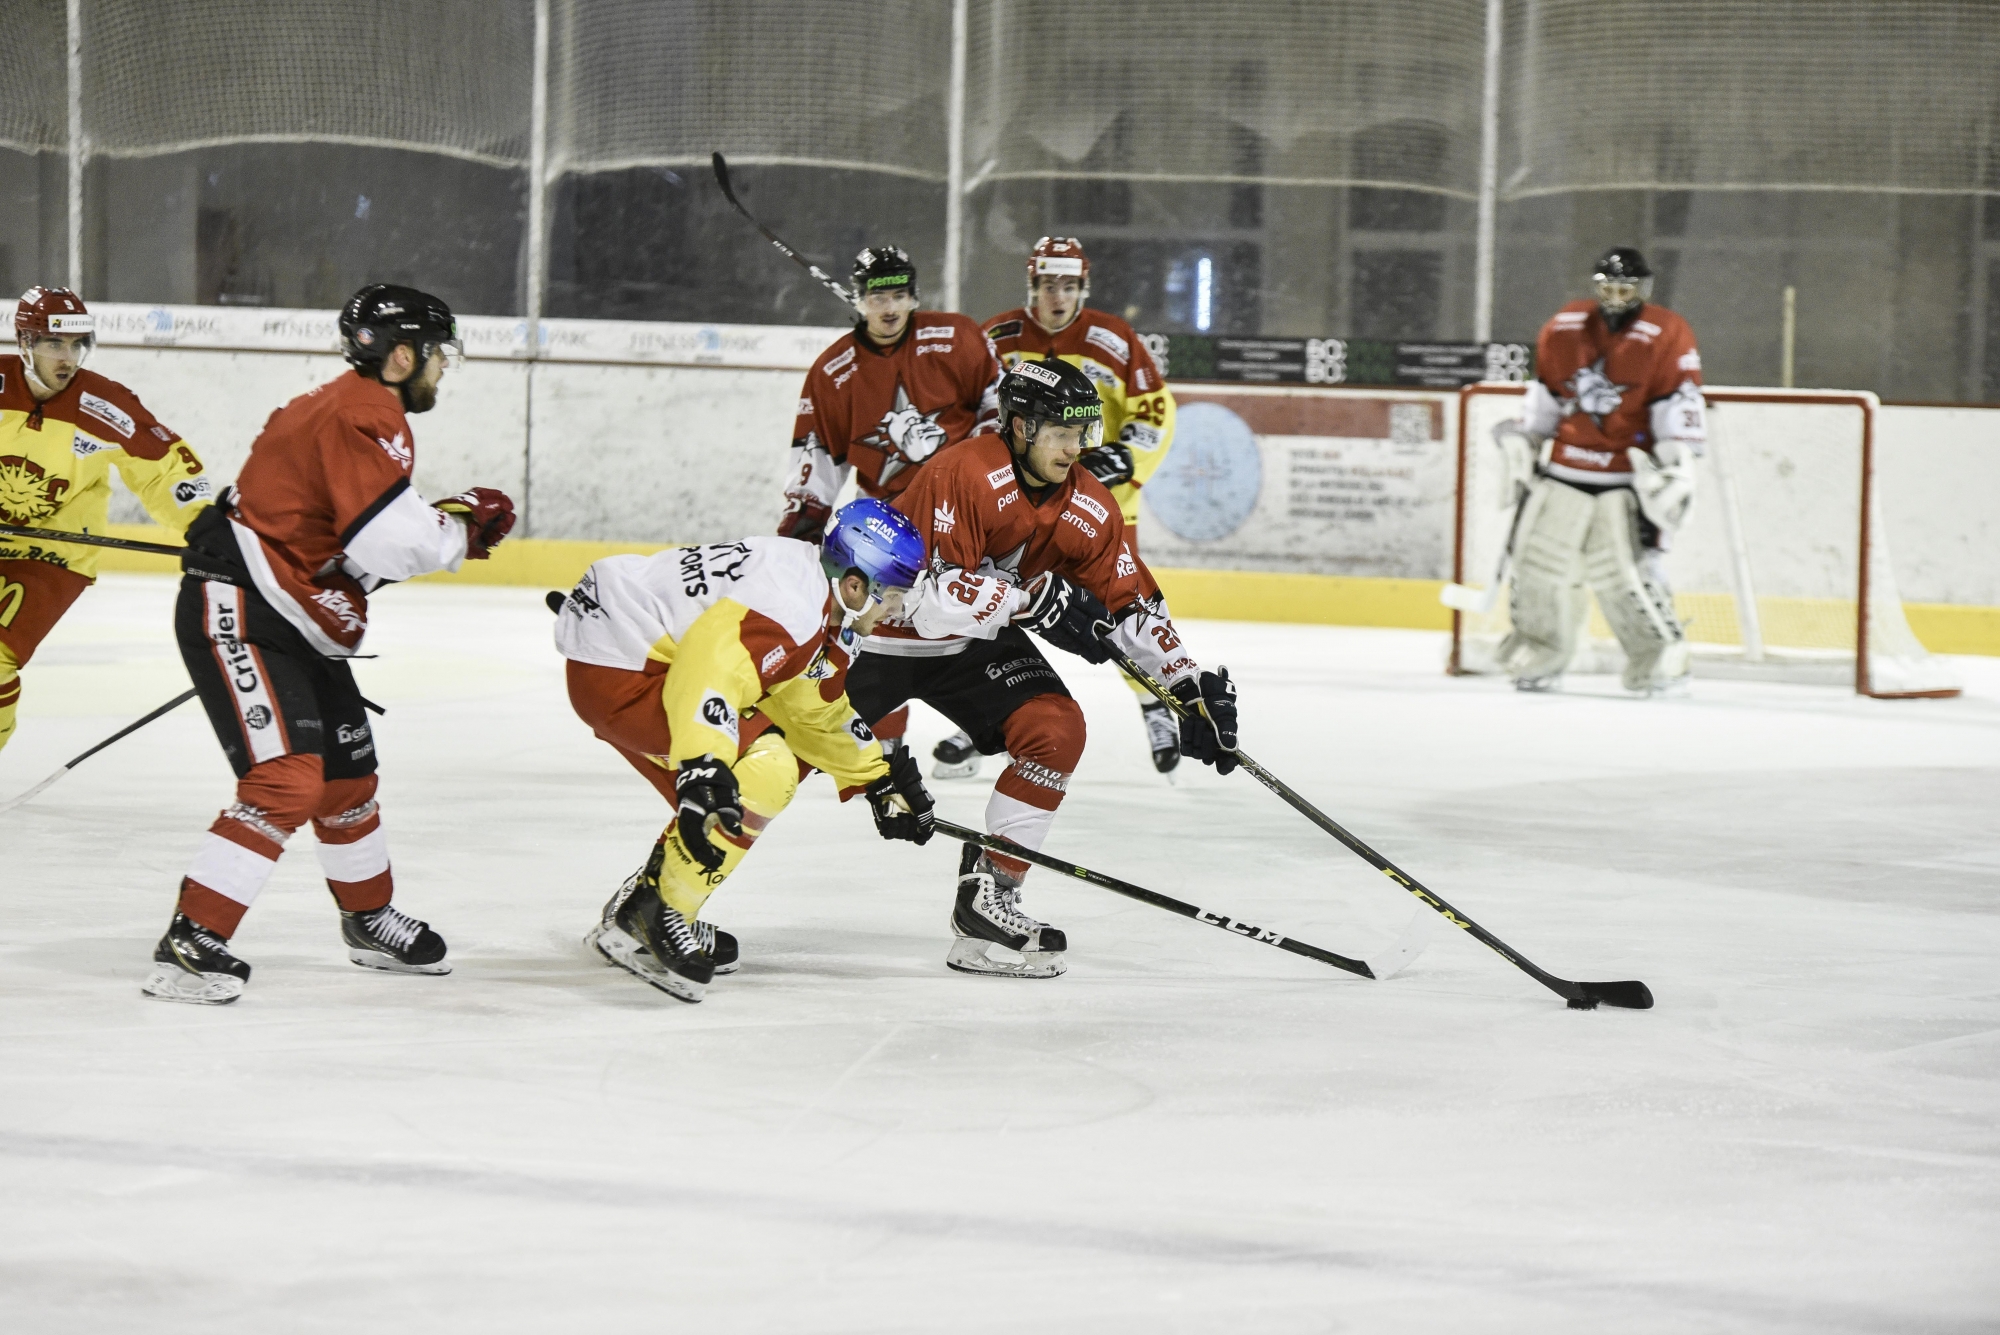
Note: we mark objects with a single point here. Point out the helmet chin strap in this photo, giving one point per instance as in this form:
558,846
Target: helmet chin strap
41,388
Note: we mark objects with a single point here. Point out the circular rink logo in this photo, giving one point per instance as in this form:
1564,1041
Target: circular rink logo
1209,483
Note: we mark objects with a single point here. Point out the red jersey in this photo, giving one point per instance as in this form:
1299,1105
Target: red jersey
988,537
1600,393
880,412
323,511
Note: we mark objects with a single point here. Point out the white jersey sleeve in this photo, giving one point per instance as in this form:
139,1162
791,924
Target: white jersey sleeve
1682,416
1541,412
1146,634
627,609
400,537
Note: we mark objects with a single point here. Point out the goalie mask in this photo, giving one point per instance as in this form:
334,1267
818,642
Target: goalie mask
1623,281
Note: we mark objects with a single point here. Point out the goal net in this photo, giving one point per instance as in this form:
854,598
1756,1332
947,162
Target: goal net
1781,571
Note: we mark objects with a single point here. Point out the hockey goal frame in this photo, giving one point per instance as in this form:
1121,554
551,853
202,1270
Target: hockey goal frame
1867,404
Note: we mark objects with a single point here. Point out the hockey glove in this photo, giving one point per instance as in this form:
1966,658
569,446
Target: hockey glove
1208,728
902,805
1110,463
488,516
708,797
1066,616
1664,481
804,519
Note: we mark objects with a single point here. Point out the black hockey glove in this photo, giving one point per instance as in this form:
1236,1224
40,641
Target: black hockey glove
1110,463
904,780
707,791
1208,731
805,520
1066,616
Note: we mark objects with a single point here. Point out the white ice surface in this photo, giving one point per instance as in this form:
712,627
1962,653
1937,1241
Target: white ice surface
1188,1133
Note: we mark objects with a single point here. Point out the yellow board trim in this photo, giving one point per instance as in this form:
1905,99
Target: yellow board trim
1221,595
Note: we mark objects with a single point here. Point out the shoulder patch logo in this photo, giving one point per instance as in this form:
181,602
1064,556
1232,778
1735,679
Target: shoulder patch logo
944,519
83,446
1119,349
1089,507
859,731
936,331
805,408
838,362
1127,567
1690,360
1005,329
397,449
1000,477
1571,319
110,414
198,489
771,660
718,714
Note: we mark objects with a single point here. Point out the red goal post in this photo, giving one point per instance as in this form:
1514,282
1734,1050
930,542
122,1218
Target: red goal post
1782,570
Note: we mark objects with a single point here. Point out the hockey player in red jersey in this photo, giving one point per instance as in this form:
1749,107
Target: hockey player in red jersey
1020,538
718,673
884,399
1138,427
274,600
1609,433
63,429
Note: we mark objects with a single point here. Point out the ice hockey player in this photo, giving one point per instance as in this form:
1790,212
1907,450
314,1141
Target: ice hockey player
884,400
718,673
274,600
1605,450
1019,538
62,430
1138,427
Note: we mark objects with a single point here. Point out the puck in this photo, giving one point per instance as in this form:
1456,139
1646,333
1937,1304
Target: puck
1583,1003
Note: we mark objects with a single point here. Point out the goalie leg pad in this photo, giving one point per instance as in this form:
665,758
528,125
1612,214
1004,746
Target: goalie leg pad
1632,591
1547,593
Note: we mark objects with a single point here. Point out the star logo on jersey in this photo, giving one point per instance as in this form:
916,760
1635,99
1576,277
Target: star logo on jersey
1591,392
906,435
397,449
27,492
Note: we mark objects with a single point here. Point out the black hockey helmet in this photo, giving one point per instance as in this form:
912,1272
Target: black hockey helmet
884,268
1051,390
1623,281
381,315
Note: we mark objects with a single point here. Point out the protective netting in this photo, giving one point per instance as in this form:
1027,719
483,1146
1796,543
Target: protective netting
642,83
1766,570
1797,94
452,78
33,111
1347,92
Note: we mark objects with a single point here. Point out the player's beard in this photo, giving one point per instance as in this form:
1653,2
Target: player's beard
418,398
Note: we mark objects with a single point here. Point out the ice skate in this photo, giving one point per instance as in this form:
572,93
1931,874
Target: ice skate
647,938
718,945
1163,734
956,758
988,917
1547,685
193,964
391,940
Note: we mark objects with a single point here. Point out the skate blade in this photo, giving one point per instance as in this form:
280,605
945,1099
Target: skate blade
621,948
970,954
169,983
592,937
964,769
375,959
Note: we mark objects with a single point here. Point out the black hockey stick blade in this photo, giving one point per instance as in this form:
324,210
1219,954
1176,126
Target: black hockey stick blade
88,540
1632,996
840,292
1262,935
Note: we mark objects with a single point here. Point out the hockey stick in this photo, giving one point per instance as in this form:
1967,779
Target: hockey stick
88,540
722,179
1159,901
125,731
1631,995
1459,598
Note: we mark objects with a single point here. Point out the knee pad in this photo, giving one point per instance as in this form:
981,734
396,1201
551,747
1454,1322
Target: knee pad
278,796
767,776
346,806
1630,583
1048,730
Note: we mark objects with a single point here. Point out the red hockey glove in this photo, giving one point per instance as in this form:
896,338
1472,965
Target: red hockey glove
804,519
1208,729
488,515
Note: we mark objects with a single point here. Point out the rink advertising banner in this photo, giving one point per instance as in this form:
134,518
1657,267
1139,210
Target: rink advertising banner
1304,480
1338,361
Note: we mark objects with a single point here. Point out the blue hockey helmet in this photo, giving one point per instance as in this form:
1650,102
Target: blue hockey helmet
877,540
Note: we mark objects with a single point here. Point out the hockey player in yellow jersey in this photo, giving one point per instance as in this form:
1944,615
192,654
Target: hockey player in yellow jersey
62,430
1138,426
719,673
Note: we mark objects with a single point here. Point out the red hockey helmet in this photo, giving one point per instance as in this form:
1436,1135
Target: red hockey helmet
54,310
1058,256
